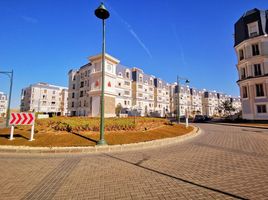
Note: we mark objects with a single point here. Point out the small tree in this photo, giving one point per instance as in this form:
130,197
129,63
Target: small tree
118,109
227,107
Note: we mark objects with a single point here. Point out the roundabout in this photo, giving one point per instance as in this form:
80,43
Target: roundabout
221,163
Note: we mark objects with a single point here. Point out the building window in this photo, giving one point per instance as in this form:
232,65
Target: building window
241,54
73,95
119,84
259,90
127,93
253,29
140,79
82,84
257,69
255,50
125,102
127,83
261,108
127,74
73,86
81,93
243,73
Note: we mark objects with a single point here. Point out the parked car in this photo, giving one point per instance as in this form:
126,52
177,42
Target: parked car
207,118
199,118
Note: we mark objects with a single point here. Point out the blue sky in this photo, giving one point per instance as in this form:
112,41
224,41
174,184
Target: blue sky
42,40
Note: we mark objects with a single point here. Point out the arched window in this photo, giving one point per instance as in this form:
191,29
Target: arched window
140,78
127,74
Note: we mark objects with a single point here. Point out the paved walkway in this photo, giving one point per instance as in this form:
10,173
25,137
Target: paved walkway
222,163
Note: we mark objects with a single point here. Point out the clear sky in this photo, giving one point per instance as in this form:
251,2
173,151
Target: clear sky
41,40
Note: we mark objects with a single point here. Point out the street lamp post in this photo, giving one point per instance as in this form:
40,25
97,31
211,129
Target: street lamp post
178,95
10,75
102,13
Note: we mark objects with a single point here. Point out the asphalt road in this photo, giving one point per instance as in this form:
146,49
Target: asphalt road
223,162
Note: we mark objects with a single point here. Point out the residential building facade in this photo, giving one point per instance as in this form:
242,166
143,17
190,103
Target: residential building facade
133,92
143,92
3,104
44,98
251,47
210,103
196,101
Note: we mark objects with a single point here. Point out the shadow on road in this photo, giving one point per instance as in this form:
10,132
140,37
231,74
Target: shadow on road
177,178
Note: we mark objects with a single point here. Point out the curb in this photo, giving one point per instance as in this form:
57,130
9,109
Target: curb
101,149
237,125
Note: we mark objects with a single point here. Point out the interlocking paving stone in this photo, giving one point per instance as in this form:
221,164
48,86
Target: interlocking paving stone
222,163
48,187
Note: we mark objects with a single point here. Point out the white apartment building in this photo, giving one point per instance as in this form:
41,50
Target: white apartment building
236,103
129,88
3,104
44,98
251,47
133,91
221,99
210,103
142,92
196,101
161,97
123,88
185,100
85,88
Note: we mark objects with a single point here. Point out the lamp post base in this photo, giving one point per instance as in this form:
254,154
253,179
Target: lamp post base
102,142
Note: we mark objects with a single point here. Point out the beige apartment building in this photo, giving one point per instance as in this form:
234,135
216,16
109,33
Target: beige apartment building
251,47
44,98
3,104
123,88
196,101
210,103
85,87
142,92
132,91
161,97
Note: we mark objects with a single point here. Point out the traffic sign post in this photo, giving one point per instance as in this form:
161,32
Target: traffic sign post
21,119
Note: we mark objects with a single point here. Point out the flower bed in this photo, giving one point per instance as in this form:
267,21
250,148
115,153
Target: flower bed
71,124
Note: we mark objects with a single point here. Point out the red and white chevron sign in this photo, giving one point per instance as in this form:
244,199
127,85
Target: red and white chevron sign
21,119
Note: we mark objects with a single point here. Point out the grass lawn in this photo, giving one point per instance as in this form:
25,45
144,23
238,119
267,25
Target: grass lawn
51,138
